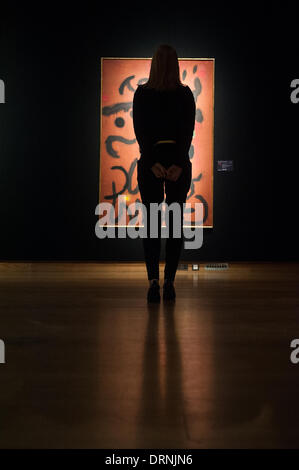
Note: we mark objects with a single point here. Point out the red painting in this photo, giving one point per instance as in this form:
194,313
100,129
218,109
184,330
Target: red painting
119,150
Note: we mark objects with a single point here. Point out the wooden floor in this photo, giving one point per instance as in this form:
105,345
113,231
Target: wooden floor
90,365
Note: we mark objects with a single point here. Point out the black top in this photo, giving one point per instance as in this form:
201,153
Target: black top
164,115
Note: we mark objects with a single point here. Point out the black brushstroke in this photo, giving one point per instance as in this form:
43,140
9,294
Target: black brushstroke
205,205
142,80
126,83
191,192
126,187
191,151
119,122
130,176
116,138
198,115
197,88
116,108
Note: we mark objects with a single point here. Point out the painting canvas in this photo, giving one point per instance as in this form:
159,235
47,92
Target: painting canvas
119,150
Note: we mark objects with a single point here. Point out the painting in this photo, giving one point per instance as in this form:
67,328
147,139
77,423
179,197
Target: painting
119,150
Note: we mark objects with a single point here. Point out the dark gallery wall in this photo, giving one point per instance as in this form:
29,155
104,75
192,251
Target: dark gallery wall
49,127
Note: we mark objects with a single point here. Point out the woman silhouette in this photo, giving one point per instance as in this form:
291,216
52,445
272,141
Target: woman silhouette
163,118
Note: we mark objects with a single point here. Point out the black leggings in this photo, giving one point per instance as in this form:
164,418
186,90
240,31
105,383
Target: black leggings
152,190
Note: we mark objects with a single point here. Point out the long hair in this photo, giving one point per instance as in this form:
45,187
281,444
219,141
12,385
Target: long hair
165,70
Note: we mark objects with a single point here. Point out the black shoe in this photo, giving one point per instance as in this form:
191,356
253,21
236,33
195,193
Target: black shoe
168,290
153,294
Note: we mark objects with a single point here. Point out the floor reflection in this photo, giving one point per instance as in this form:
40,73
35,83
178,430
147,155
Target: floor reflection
161,415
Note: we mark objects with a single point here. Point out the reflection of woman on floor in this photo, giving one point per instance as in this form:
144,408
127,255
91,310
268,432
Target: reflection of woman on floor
163,118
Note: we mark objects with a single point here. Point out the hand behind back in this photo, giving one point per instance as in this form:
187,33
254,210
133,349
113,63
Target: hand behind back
172,173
